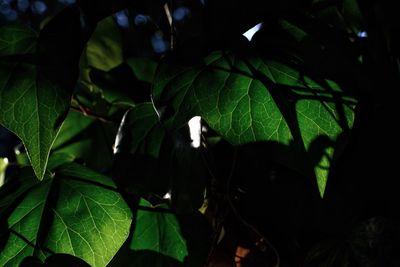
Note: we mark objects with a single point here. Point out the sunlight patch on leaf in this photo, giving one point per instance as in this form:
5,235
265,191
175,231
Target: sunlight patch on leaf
322,170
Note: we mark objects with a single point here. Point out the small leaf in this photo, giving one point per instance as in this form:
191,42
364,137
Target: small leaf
157,229
77,212
103,50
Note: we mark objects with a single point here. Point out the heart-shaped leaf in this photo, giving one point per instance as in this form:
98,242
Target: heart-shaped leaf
77,212
253,99
37,77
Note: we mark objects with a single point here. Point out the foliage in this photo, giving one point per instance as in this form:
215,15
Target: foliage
113,176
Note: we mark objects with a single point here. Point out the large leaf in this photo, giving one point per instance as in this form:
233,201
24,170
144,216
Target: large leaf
37,80
254,99
157,230
77,212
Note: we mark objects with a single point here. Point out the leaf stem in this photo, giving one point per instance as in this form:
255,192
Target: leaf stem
89,113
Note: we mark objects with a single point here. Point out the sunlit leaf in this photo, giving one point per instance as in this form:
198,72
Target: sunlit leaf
254,99
36,81
77,212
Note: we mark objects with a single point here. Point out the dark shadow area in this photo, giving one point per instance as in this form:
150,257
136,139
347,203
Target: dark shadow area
8,141
122,79
131,258
281,204
55,260
277,201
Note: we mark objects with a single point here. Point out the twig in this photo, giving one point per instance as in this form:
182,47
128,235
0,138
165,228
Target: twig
89,113
170,18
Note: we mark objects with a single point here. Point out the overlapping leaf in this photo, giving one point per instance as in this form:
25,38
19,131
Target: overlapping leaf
103,51
157,230
254,99
76,212
140,131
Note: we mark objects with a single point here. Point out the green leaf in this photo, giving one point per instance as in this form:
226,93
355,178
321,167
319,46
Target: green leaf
143,68
353,15
157,229
73,124
103,50
37,80
255,99
32,106
16,39
142,125
92,145
59,158
77,212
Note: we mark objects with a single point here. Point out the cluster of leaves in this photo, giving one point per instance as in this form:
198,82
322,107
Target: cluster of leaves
108,172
